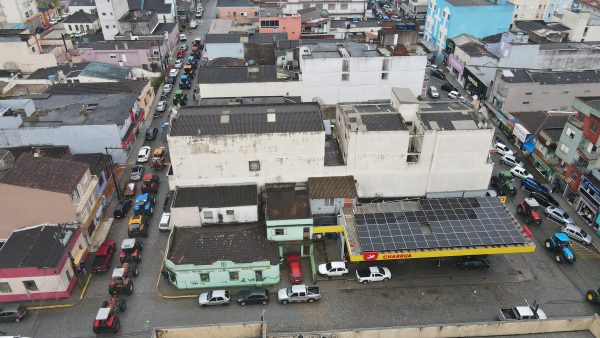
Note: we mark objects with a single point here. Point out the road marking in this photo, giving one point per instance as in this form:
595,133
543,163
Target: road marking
582,251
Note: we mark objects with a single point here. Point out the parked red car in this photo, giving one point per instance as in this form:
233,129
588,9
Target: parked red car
295,269
104,256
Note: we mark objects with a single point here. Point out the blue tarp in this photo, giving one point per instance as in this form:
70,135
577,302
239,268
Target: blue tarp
529,147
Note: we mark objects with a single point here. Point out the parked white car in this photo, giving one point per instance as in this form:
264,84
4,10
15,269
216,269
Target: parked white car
520,172
167,88
174,72
333,269
455,95
502,149
193,24
165,219
577,233
510,161
558,215
215,297
143,154
178,64
373,274
182,37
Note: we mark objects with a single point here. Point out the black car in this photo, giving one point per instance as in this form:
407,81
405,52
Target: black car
122,208
170,80
438,73
13,313
253,296
473,263
543,199
448,87
151,133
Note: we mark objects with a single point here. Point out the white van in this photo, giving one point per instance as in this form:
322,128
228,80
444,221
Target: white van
164,222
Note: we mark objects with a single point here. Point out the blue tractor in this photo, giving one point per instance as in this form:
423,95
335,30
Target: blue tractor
559,243
144,204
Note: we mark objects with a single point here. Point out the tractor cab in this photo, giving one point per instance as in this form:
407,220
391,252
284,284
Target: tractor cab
131,250
106,321
138,226
144,204
529,209
559,242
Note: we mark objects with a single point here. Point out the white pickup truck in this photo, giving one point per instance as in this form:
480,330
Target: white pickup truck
298,294
522,312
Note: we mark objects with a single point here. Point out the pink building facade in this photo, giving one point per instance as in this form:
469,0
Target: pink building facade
292,25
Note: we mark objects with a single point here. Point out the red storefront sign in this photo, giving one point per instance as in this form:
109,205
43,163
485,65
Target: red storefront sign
370,256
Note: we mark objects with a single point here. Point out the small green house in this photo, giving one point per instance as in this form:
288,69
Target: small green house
220,255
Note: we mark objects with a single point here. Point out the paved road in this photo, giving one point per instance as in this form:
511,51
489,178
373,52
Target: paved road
420,292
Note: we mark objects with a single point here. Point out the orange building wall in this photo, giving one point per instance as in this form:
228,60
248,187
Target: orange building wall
235,12
292,25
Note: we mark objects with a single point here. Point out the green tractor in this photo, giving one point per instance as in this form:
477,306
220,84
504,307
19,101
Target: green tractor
592,296
180,98
503,183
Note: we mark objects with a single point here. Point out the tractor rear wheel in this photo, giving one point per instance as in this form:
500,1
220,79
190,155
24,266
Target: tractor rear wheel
141,246
520,209
111,290
116,325
139,257
129,288
548,244
122,305
135,271
591,296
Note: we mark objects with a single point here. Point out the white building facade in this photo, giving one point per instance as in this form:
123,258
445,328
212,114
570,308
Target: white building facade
356,73
109,13
337,9
389,153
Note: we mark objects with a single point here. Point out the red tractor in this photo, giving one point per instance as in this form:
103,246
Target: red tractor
106,320
131,251
121,281
529,209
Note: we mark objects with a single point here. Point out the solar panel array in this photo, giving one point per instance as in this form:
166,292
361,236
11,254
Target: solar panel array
441,223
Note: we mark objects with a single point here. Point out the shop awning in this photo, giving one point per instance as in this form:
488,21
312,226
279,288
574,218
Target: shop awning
529,147
521,133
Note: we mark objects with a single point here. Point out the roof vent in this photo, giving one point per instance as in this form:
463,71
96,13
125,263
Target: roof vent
271,117
224,118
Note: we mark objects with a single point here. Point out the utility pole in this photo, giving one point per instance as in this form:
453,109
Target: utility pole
112,170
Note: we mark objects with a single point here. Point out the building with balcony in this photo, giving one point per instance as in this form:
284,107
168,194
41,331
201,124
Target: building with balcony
49,190
315,23
578,146
40,262
545,129
583,26
478,18
87,117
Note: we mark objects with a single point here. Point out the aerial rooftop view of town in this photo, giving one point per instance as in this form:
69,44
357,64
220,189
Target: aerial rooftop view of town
299,168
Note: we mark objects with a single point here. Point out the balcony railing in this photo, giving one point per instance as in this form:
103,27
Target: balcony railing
575,122
586,154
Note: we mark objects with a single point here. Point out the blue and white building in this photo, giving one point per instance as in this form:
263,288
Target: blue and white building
478,18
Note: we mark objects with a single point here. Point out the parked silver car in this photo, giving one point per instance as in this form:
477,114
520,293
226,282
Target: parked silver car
577,233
